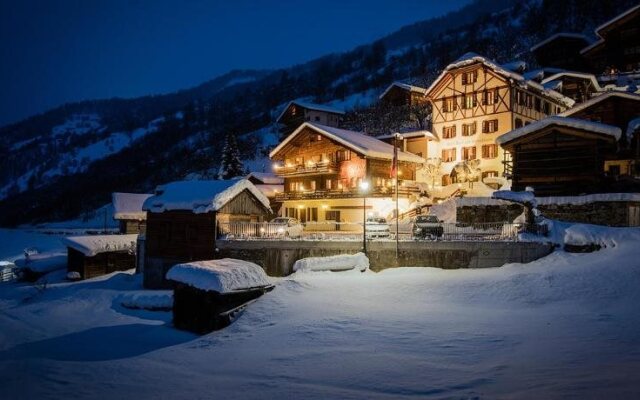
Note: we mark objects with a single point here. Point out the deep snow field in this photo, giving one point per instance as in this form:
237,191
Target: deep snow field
566,326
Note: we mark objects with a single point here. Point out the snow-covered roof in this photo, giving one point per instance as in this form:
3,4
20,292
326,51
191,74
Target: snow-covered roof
539,74
598,99
409,135
576,123
403,86
129,205
526,197
472,58
310,106
200,196
359,142
268,178
223,276
573,74
92,245
553,85
515,66
558,35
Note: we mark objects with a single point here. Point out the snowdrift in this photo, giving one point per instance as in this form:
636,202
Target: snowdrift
341,262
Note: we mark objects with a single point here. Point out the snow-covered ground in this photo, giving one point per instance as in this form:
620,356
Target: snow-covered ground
566,326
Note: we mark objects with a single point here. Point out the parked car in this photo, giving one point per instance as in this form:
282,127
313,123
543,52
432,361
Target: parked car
427,226
287,227
377,228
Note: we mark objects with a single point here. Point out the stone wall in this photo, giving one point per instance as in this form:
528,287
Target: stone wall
609,213
278,257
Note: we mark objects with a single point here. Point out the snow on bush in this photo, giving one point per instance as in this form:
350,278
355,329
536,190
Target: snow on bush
222,276
148,300
340,262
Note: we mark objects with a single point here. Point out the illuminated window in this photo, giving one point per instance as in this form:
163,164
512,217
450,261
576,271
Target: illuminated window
490,126
469,153
469,129
449,105
490,96
448,155
469,77
449,132
469,101
489,151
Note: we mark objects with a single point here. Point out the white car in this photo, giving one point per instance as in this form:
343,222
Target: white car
287,227
377,228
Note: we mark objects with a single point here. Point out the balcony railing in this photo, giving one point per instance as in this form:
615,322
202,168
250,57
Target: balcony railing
323,167
403,191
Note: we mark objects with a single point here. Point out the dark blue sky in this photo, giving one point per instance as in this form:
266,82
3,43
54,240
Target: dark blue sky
52,51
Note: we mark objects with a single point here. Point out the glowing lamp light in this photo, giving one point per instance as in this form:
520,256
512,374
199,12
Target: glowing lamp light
324,206
262,230
300,206
364,185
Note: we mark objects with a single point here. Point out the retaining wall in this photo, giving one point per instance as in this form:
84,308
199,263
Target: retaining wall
278,257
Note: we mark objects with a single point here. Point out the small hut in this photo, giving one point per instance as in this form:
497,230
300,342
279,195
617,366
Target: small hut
96,255
127,210
183,218
208,294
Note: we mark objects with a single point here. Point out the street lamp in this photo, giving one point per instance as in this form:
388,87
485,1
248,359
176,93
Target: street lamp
364,187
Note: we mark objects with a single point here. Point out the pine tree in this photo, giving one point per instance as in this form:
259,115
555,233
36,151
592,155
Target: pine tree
230,164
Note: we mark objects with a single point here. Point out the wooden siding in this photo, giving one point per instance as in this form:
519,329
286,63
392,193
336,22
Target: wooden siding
100,264
130,226
180,235
245,204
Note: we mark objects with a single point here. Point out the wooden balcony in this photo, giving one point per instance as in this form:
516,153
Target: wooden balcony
323,167
403,191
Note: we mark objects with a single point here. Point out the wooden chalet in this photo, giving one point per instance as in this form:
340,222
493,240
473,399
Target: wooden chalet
618,109
414,142
561,50
96,255
323,167
578,86
473,102
403,94
183,218
297,112
560,156
617,51
127,210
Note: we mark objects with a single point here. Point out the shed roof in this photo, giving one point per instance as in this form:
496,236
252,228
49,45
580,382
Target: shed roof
359,142
576,123
129,205
200,196
92,245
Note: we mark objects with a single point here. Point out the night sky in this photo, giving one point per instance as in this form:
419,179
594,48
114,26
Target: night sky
58,51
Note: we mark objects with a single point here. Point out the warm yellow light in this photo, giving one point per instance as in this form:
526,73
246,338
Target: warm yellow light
300,206
364,185
324,206
276,166
399,173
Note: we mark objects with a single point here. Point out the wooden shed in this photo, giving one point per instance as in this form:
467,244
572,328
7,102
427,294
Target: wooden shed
560,156
96,255
127,210
182,219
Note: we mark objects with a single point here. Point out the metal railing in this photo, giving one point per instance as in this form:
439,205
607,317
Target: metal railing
352,231
403,191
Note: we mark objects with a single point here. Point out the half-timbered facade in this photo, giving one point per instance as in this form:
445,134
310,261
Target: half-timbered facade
323,168
473,102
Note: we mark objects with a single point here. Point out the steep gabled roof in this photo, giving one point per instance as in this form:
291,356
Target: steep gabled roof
403,86
559,35
359,142
310,106
473,58
576,123
598,99
200,196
